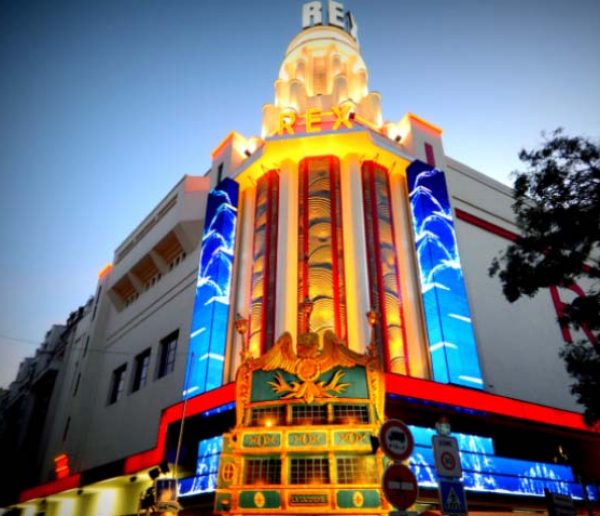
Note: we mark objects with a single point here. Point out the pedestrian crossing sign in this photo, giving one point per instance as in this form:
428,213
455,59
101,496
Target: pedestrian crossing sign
452,497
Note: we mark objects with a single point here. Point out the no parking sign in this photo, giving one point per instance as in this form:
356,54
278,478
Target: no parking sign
447,458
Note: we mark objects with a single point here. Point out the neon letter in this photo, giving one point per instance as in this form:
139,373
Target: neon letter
313,116
336,14
286,122
352,25
341,116
311,14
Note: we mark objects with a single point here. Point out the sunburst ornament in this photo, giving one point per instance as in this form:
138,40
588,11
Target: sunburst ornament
308,366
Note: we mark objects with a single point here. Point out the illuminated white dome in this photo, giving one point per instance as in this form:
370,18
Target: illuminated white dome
322,68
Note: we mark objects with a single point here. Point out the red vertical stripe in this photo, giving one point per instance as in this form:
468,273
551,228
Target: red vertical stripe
370,171
334,246
429,154
249,333
397,276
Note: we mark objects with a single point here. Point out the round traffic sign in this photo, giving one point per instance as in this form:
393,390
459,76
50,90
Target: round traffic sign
400,486
396,439
448,460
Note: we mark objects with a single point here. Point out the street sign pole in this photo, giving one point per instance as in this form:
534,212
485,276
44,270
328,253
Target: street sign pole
399,484
453,501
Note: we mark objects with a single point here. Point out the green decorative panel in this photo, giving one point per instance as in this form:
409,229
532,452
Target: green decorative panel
355,438
223,502
262,440
358,499
355,377
307,439
260,500
261,390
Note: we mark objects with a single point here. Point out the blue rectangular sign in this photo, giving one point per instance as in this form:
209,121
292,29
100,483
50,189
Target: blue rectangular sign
208,334
452,498
447,316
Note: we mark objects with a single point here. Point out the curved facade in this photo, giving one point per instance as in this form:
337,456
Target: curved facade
333,225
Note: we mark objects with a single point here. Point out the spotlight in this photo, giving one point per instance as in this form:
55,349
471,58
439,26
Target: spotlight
164,467
154,473
79,492
133,478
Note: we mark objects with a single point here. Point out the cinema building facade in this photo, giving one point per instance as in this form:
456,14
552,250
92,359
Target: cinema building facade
337,264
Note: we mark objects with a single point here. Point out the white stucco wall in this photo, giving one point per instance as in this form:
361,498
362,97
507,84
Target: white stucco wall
518,343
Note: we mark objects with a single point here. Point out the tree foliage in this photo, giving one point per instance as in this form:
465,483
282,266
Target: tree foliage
557,208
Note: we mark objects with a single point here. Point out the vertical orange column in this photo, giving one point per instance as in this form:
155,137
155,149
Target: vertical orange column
321,245
385,293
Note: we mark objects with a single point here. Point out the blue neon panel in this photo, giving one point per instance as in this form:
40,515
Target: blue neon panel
207,468
208,334
482,470
466,442
447,317
488,473
485,472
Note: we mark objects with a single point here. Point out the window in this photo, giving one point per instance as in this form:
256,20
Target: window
131,298
168,351
356,470
310,470
309,414
207,468
66,430
142,363
176,261
96,302
350,414
268,416
262,471
429,156
117,384
219,173
76,388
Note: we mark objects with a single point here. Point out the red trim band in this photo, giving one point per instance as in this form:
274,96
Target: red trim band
399,385
484,224
427,390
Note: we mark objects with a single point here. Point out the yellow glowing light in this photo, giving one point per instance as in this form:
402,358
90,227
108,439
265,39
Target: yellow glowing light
427,124
269,422
224,143
286,123
342,116
105,270
313,118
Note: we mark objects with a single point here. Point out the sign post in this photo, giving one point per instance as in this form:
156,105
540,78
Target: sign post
447,456
452,497
396,440
399,483
453,501
559,505
400,486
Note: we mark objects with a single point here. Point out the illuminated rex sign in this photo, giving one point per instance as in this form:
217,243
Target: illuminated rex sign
315,120
315,13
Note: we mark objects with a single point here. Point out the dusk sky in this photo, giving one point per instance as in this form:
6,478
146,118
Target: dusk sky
105,105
